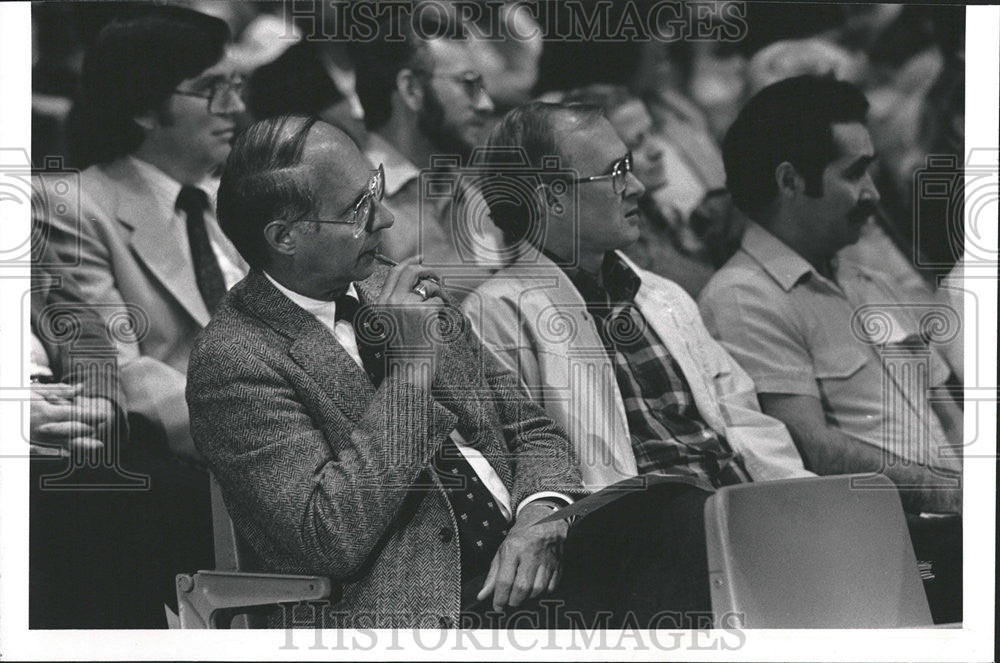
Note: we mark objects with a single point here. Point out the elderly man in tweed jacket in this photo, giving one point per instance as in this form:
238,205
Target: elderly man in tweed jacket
322,471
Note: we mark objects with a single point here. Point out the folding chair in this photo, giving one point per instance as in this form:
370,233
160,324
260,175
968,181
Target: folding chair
822,552
228,597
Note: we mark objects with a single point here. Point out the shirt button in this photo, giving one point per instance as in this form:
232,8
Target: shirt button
445,534
445,622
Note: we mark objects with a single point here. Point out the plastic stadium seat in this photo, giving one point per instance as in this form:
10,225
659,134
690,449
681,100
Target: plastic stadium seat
813,553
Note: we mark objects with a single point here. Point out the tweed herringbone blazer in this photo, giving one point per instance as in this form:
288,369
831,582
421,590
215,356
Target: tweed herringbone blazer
324,474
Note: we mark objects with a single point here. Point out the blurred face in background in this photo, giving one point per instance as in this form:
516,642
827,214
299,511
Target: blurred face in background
457,109
185,131
634,125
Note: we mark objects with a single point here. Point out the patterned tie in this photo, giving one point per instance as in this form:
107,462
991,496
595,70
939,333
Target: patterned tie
481,525
212,286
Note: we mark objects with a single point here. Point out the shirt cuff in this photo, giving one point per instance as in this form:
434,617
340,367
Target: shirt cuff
545,494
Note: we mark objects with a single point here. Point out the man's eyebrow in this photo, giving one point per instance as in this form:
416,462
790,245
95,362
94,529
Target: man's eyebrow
862,161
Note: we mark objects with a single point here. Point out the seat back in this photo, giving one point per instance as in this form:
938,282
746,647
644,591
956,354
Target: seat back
813,553
231,553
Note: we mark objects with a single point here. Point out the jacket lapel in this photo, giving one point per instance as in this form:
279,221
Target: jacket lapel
313,347
156,241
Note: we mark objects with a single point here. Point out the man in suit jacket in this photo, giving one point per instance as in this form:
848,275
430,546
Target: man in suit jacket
617,355
351,441
156,118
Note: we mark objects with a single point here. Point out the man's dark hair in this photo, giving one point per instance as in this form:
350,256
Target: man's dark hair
378,62
265,180
528,133
787,121
131,69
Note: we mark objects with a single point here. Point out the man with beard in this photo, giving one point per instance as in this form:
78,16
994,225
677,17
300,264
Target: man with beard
424,101
835,353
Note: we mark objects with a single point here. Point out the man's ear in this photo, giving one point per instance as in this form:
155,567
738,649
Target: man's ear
790,183
279,237
410,90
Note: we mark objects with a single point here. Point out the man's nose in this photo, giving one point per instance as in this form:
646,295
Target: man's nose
634,187
383,217
653,150
484,102
870,191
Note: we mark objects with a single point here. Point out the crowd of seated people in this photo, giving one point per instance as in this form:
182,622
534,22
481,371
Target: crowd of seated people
677,298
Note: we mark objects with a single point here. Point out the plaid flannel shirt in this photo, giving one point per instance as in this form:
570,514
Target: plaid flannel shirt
669,436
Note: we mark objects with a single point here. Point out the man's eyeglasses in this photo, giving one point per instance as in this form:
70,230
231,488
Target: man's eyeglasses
471,82
220,95
619,175
361,215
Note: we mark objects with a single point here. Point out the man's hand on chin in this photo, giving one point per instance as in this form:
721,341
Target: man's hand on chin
527,564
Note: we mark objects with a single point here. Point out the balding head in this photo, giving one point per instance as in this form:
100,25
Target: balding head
274,172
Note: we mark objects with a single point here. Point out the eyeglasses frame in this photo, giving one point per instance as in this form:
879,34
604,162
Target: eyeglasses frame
375,192
234,84
623,165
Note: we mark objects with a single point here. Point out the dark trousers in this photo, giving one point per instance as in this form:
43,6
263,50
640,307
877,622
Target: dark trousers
639,562
938,541
107,559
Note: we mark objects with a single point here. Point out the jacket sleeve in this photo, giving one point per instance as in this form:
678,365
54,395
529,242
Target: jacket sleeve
542,456
328,503
74,237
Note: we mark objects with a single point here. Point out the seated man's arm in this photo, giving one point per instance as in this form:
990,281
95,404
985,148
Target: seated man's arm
153,390
81,410
528,562
830,451
327,501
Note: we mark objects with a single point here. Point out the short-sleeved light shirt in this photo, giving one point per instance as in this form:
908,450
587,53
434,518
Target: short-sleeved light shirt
795,332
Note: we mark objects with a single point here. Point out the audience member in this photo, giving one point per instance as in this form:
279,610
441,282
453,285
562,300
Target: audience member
412,471
783,305
157,116
424,97
797,162
508,52
617,355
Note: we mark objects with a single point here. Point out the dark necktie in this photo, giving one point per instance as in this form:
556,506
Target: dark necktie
212,286
481,525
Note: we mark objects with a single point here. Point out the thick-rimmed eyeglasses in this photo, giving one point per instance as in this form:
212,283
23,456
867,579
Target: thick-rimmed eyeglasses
361,215
618,175
471,82
220,95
